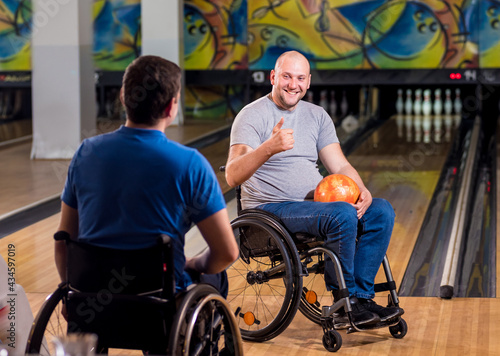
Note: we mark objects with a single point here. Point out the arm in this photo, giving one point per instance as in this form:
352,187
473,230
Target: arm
334,161
243,161
68,223
222,247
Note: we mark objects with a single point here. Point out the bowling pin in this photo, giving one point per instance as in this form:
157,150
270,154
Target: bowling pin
457,120
408,124
399,123
310,96
399,102
344,106
350,124
457,104
448,121
426,105
426,128
408,102
323,101
418,128
438,103
417,104
438,124
448,104
333,106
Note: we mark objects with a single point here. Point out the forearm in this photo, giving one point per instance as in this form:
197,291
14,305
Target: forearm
222,247
239,168
60,259
205,263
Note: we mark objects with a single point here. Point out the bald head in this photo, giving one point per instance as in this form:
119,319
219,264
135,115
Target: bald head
290,79
292,56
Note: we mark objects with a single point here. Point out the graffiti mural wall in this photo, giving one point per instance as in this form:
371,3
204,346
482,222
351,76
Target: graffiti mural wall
215,34
117,39
333,34
215,37
117,35
489,29
15,35
369,34
343,34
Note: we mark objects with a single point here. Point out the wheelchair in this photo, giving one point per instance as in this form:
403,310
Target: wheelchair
127,298
279,273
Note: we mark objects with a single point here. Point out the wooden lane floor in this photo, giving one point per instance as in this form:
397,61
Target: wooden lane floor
405,173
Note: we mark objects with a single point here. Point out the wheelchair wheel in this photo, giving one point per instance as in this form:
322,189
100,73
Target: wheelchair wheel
314,292
204,325
264,284
399,330
49,323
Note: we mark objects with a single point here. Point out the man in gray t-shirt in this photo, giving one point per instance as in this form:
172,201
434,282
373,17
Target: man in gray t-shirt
290,175
275,144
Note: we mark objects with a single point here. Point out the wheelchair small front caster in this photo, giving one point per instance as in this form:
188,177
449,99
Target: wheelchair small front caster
332,341
399,330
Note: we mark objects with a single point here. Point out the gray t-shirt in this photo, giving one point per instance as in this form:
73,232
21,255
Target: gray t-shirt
290,175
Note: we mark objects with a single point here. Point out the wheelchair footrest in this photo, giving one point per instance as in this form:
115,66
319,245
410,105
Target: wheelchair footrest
383,324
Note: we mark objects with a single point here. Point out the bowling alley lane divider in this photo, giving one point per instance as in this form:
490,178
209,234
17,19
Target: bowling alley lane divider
29,214
447,288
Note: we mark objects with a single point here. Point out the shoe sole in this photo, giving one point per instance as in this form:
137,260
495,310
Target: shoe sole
382,324
345,324
392,316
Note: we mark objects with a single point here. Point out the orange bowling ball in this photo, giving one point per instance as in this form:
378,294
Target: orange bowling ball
337,187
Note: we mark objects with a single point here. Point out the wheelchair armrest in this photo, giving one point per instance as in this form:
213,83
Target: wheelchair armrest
61,236
164,239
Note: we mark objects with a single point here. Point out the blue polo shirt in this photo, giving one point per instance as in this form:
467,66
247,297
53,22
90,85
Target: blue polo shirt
131,185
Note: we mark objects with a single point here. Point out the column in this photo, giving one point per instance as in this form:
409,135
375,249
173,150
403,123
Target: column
162,34
63,77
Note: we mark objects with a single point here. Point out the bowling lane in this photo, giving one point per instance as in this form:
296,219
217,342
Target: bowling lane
402,162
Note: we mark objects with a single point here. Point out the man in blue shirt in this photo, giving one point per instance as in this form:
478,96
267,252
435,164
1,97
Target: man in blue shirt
126,187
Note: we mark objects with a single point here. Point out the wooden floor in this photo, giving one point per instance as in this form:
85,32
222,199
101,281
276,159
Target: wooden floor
404,173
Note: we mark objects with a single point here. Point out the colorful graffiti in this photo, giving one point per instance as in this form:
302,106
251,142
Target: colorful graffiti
215,34
215,37
218,102
489,29
353,34
15,35
117,35
333,34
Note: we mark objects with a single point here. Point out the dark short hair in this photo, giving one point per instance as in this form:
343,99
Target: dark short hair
149,84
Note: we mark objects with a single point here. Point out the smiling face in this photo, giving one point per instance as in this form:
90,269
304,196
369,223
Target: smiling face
290,79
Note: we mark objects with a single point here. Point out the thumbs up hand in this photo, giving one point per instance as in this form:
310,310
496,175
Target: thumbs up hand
280,140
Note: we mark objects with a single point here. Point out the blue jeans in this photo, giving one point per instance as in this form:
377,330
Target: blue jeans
360,244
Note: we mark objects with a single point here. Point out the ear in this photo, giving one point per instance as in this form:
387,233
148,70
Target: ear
122,96
272,75
168,108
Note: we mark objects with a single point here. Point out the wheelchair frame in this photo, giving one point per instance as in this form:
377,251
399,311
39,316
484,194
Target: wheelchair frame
200,317
300,249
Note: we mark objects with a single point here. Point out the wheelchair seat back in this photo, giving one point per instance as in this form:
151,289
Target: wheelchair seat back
126,297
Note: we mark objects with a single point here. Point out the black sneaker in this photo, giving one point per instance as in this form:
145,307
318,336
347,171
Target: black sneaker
385,313
360,316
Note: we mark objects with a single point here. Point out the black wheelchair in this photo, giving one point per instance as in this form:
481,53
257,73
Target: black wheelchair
279,273
127,298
